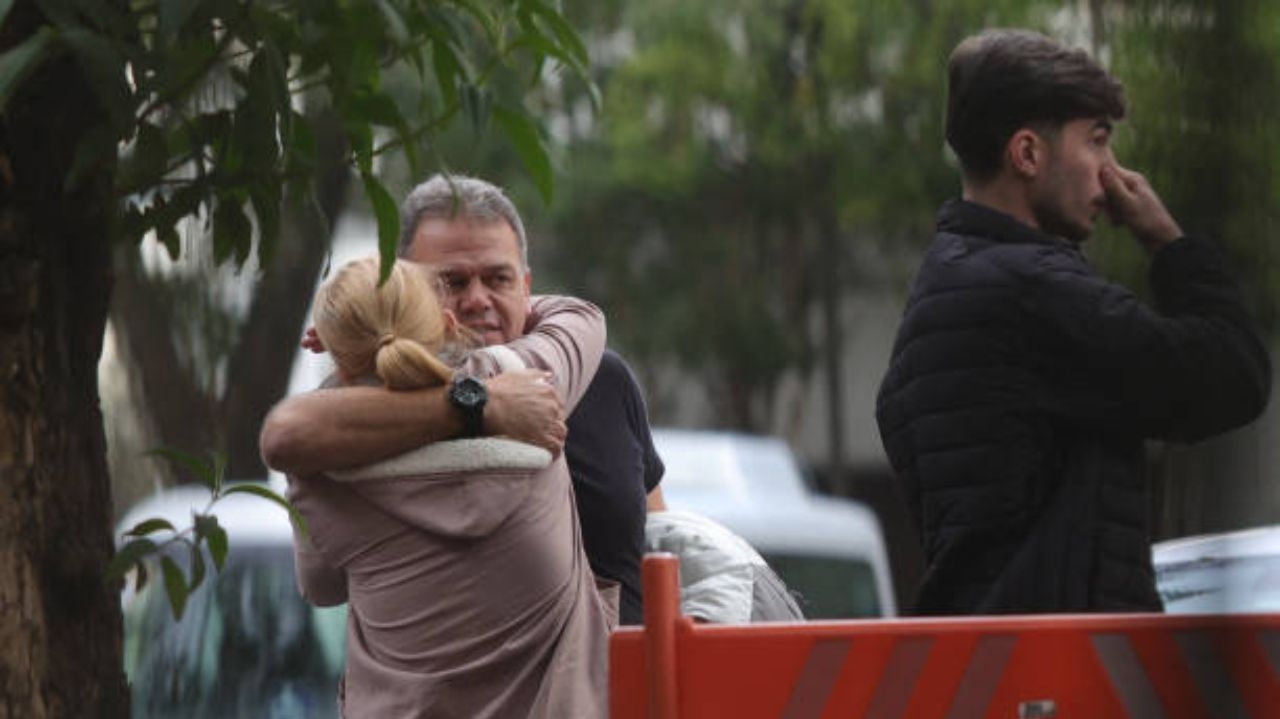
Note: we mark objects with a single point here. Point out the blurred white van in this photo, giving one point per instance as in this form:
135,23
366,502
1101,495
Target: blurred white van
829,550
1229,573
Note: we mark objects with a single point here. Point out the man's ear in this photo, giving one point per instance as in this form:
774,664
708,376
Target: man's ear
1027,153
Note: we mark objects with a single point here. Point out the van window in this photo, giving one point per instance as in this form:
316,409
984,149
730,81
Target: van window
830,587
247,645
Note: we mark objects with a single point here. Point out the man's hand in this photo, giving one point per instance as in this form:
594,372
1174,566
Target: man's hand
524,406
1132,203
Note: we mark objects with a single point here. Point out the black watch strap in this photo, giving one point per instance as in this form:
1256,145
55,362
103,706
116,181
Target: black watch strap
469,396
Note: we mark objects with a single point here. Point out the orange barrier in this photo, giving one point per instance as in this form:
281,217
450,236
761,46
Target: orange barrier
1029,667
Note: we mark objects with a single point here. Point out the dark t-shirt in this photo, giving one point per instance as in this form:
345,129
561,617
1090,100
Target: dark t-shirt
614,466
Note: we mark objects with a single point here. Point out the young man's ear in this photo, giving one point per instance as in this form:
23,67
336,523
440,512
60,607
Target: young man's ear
1027,152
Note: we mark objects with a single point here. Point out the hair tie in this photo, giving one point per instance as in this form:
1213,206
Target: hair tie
385,340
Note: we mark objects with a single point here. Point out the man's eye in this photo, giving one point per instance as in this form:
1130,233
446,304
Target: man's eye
500,280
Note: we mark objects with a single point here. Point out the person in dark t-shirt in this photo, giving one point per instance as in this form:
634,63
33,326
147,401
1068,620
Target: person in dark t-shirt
615,467
471,234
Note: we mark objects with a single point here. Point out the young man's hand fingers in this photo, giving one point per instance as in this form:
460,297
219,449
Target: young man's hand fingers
1119,193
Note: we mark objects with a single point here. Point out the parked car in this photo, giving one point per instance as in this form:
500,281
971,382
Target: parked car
829,550
247,644
1228,573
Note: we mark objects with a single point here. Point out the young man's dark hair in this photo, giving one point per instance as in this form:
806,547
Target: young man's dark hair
1023,384
1003,80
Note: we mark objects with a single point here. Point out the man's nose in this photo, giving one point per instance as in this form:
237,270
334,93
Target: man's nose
473,297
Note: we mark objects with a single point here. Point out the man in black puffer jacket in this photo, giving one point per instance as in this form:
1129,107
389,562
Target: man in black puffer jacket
1023,385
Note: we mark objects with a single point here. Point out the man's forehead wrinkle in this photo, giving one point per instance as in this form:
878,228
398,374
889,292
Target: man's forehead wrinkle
465,267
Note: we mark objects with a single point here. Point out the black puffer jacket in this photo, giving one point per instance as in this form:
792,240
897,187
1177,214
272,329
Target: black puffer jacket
1020,391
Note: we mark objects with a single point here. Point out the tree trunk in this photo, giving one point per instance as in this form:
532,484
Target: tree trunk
258,375
187,416
60,627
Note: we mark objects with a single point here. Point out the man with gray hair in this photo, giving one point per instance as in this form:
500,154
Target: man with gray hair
471,235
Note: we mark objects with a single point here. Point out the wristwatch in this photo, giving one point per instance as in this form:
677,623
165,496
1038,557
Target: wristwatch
469,395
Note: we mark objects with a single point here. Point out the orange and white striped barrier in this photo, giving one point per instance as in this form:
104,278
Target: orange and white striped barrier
1027,667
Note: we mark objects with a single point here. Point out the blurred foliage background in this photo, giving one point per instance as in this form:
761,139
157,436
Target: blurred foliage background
746,197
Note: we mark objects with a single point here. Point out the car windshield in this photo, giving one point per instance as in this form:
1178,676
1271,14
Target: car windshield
1221,585
829,587
247,645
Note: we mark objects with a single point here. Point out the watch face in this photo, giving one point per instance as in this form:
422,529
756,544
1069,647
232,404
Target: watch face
469,392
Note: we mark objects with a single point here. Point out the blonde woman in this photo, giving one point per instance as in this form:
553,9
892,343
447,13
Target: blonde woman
462,563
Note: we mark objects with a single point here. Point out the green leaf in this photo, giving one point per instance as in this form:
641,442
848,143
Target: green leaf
300,144
360,135
487,21
180,66
543,48
168,236
232,232
277,75
384,209
155,524
266,197
377,108
254,143
529,145
175,585
395,23
194,134
448,69
261,490
197,567
566,36
268,86
19,62
475,103
140,578
201,468
129,555
216,537
219,471
146,162
209,531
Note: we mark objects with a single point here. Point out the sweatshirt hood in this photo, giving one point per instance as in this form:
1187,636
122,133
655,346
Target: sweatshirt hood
462,488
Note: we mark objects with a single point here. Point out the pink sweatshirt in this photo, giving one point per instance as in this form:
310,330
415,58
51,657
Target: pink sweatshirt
462,562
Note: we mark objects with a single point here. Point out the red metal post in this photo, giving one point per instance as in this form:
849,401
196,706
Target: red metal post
660,575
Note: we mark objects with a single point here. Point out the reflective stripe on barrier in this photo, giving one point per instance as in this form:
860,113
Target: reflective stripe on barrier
1027,667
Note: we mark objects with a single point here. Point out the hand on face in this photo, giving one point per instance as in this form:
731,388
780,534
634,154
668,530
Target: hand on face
1131,202
523,405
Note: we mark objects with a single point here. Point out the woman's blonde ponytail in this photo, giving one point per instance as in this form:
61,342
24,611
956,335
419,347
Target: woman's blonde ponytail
392,331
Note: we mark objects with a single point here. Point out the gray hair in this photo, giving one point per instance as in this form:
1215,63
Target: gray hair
459,197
